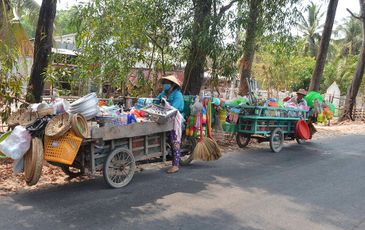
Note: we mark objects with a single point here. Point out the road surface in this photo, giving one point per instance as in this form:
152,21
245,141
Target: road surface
318,185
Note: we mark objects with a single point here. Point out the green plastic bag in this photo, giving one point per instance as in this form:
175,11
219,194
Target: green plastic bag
332,107
311,96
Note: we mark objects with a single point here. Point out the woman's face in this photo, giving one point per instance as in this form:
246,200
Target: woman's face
166,85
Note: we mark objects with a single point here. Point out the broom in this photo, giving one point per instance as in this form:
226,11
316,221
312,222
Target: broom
206,149
200,151
212,146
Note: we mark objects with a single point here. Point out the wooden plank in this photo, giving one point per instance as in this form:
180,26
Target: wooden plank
141,157
132,130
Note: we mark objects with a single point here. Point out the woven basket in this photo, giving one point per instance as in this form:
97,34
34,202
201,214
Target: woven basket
33,162
62,150
79,125
58,126
45,112
28,118
14,118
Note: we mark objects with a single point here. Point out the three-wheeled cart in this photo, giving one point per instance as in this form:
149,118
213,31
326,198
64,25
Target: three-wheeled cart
268,124
115,150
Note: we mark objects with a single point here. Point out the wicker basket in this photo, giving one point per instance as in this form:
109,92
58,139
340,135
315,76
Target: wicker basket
62,150
33,162
58,126
28,118
14,118
79,125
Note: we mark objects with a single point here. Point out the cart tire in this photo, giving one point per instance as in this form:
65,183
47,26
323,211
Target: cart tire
187,147
72,172
243,139
276,140
300,141
119,168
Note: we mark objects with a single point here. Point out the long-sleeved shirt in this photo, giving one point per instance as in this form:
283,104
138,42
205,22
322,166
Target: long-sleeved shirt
175,99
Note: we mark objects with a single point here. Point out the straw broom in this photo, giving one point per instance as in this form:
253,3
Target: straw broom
206,149
213,147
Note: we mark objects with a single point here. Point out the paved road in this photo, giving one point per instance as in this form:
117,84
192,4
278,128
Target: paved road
318,185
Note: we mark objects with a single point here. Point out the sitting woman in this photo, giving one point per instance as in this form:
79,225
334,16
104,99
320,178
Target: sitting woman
172,93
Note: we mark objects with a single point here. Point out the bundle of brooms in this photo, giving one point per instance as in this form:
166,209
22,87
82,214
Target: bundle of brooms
207,148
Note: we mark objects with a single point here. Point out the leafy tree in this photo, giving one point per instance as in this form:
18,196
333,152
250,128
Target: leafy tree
257,17
113,36
10,78
351,28
309,24
64,21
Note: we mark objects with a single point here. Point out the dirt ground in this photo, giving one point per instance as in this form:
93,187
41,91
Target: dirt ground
53,176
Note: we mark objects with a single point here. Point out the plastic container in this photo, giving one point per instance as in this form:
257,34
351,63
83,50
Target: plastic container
62,150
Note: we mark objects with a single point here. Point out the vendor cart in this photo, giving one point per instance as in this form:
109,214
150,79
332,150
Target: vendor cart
268,124
115,151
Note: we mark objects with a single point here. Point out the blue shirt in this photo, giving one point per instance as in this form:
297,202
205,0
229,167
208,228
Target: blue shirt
175,99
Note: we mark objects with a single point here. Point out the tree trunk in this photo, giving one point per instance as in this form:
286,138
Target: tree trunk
194,69
42,49
356,81
323,47
249,46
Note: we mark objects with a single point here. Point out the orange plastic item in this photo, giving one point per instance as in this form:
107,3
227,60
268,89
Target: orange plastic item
302,130
62,150
273,104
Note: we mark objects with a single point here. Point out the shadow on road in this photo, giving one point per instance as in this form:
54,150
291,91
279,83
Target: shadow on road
310,180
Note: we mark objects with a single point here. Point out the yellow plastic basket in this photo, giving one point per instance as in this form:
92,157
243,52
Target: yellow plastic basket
63,149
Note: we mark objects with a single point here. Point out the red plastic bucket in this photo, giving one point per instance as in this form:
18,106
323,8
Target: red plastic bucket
302,130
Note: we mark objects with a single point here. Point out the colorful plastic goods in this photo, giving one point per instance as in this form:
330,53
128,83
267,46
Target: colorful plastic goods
311,96
332,107
302,130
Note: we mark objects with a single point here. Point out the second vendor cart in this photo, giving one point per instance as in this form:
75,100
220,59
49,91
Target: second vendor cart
269,124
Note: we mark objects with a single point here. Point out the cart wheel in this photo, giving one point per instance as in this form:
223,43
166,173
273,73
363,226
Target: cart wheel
119,168
72,172
276,140
300,141
243,139
187,147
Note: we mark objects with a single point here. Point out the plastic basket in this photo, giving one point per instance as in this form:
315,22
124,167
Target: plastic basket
230,128
62,150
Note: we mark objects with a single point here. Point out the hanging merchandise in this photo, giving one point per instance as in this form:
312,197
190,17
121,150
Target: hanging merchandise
207,148
15,117
33,162
16,144
87,106
28,118
60,105
311,96
79,125
58,126
302,130
37,129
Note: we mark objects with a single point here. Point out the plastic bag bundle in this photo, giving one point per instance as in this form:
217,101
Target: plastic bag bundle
311,96
17,143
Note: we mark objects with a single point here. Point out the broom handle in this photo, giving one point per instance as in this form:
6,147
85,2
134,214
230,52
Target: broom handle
201,127
209,119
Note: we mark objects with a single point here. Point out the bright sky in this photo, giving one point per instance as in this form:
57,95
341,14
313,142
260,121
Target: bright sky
65,4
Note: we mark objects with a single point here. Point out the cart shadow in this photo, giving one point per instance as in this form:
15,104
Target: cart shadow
156,200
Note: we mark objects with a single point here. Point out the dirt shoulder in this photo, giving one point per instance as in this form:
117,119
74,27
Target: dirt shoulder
53,176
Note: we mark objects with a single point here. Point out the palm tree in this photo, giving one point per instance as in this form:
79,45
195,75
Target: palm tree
351,28
310,26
